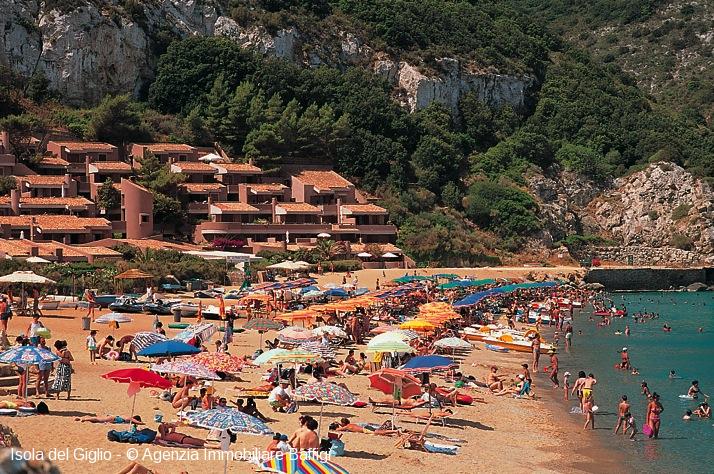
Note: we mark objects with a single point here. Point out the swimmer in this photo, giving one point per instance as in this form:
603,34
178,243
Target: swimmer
694,389
673,375
635,371
687,415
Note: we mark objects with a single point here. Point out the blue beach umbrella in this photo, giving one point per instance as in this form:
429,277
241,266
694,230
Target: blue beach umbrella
428,363
27,355
168,348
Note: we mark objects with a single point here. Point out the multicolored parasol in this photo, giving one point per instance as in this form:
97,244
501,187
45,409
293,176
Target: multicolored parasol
316,347
185,367
27,355
325,392
229,419
219,362
292,336
267,356
309,464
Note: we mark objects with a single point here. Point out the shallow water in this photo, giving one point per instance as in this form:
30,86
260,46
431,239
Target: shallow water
684,446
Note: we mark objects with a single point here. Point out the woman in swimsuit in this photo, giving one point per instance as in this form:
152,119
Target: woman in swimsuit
167,432
117,420
694,389
654,409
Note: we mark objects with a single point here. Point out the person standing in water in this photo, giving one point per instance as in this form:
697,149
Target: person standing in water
694,390
535,345
553,369
654,410
623,414
627,330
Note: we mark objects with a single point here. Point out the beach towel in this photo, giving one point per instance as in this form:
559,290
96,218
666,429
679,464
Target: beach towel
440,448
171,444
135,437
337,448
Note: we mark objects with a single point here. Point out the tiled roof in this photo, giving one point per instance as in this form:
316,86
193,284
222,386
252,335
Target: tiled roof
99,251
192,167
153,244
167,147
49,201
42,180
111,166
322,180
298,207
267,187
86,146
56,223
201,187
235,207
363,209
237,168
52,161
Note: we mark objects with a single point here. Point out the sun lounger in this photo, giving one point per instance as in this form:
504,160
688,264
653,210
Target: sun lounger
438,417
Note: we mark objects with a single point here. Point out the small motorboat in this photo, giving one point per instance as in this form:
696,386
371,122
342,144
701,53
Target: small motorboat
211,312
159,306
48,304
105,300
126,304
185,309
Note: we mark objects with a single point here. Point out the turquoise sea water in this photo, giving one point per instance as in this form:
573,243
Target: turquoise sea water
684,446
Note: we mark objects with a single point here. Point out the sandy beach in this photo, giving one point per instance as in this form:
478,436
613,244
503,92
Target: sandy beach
501,435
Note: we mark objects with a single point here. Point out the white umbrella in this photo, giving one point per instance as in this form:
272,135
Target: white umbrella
390,255
324,235
37,260
330,331
113,317
364,255
26,277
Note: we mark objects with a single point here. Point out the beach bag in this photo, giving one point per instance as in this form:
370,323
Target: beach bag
647,430
337,448
137,437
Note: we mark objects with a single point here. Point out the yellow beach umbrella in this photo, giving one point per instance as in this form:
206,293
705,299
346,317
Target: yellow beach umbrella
418,325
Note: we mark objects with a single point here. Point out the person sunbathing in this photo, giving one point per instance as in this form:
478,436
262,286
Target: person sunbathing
167,432
7,404
118,420
403,403
345,425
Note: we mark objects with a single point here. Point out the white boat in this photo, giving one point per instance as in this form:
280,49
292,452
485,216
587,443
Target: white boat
186,310
211,312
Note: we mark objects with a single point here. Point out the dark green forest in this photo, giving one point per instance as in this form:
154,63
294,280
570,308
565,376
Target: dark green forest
453,183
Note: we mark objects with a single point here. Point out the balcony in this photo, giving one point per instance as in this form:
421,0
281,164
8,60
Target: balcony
214,228
198,207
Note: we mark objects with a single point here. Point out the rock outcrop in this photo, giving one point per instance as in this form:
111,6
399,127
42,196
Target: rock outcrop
561,197
99,48
660,206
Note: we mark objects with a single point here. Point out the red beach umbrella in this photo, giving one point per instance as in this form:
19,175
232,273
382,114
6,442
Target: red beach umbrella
137,379
386,379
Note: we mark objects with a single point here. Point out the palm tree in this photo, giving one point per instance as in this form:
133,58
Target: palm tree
325,250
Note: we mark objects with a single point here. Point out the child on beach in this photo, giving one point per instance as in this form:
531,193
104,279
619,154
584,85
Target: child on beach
92,346
588,411
630,425
566,384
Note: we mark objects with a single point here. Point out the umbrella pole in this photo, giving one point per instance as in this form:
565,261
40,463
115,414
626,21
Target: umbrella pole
131,420
319,426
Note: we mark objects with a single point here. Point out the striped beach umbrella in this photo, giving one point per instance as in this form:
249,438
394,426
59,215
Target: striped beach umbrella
113,318
453,343
202,330
144,339
307,464
316,347
229,419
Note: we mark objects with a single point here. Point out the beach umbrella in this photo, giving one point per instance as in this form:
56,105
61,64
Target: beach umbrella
185,367
37,260
336,292
290,266
428,363
113,318
418,325
312,294
219,362
330,331
137,379
316,347
453,343
364,255
262,325
26,277
27,355
309,464
267,356
203,331
325,393
389,345
292,335
296,356
386,379
145,339
229,419
168,348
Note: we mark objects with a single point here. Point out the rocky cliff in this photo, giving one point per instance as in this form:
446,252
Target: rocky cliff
660,207
88,49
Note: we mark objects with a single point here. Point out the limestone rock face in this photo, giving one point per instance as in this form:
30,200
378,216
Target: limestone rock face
99,48
659,206
417,90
